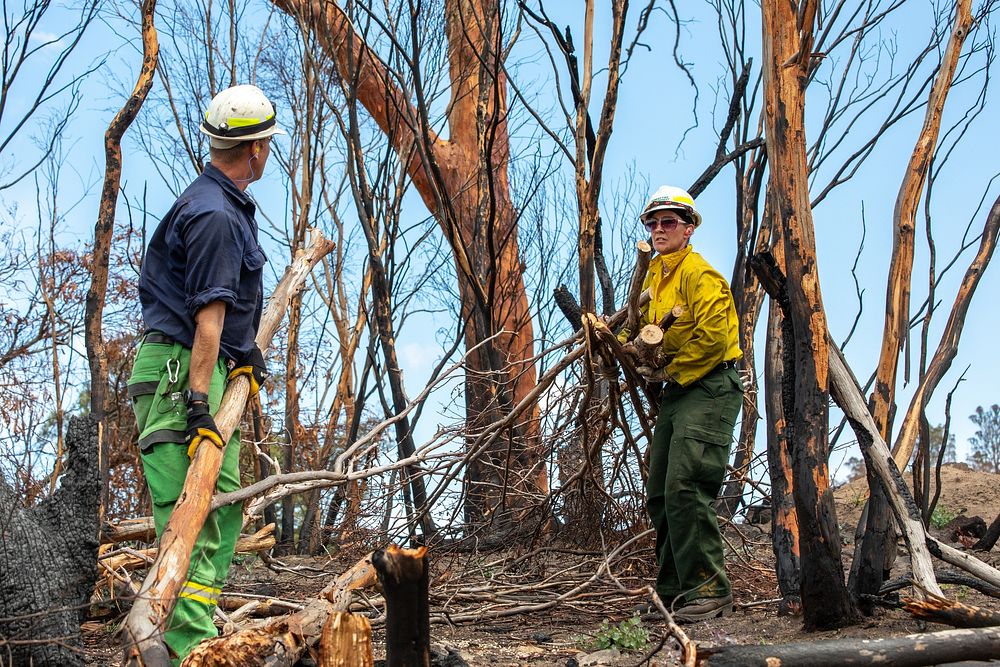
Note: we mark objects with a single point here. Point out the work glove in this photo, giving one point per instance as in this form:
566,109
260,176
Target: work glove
252,365
201,426
656,375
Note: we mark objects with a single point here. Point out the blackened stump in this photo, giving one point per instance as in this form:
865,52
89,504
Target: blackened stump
403,574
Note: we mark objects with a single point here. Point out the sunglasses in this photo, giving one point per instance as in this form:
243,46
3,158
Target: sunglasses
666,225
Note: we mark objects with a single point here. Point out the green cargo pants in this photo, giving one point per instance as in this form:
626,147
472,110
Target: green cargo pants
159,378
687,465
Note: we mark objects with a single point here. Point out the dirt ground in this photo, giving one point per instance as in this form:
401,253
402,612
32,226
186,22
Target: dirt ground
565,632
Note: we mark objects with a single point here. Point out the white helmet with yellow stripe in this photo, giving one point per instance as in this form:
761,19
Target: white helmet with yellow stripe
240,113
669,197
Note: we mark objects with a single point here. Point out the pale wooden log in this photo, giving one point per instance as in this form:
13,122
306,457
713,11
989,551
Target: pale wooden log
144,626
140,530
846,392
133,560
649,346
643,253
346,641
967,562
241,607
280,642
928,648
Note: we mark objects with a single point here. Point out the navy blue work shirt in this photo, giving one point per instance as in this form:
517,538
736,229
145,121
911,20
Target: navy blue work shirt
205,249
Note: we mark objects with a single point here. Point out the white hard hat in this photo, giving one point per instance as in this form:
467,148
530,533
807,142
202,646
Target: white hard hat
668,197
240,113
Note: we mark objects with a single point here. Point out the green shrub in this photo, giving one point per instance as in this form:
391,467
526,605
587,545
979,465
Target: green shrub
941,516
627,635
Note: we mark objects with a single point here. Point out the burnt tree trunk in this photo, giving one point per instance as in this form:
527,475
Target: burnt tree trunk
403,574
897,301
787,45
464,183
784,520
104,229
48,556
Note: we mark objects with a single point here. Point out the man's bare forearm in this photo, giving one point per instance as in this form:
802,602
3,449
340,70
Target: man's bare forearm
205,349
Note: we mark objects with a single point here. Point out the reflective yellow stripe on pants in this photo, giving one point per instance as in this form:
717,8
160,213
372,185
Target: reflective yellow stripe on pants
200,593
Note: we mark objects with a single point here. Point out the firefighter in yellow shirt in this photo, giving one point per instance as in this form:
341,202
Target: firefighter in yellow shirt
701,399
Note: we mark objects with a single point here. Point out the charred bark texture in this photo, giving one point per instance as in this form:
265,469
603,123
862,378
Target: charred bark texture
784,522
787,44
990,538
48,555
403,574
929,648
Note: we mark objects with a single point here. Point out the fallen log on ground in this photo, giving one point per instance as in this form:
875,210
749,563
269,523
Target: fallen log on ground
280,642
244,606
949,612
139,530
944,577
133,559
918,650
965,561
143,635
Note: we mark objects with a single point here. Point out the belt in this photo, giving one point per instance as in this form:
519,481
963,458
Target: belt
725,365
155,337
158,337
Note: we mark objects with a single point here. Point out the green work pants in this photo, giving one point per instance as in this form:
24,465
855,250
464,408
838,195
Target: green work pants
687,465
159,378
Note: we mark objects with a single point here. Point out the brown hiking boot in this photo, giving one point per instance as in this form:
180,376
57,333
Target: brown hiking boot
703,609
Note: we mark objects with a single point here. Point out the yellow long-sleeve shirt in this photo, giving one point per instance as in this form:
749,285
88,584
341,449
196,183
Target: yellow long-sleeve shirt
708,332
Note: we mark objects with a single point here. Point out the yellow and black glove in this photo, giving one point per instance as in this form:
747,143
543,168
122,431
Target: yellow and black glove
252,365
201,426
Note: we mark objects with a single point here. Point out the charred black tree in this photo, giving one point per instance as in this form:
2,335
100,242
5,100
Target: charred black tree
403,575
48,557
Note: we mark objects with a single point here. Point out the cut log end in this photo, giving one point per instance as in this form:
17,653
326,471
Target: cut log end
346,641
643,246
651,335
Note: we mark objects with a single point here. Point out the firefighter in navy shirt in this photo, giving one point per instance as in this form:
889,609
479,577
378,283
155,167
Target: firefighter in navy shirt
201,291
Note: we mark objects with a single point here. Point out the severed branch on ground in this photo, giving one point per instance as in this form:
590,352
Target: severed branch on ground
125,560
949,612
928,648
280,642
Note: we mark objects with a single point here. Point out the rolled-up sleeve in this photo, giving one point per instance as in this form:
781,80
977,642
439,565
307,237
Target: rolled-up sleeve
214,243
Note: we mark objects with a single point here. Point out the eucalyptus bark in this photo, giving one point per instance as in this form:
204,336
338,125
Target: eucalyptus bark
787,40
464,183
104,229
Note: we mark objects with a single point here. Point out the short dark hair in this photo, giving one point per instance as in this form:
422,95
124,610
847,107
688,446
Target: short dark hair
230,155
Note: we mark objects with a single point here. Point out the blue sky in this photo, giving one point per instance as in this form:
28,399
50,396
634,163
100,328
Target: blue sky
651,145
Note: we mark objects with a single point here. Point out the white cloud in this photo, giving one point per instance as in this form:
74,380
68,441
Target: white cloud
41,37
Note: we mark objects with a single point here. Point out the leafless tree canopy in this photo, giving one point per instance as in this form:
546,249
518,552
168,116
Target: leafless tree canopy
479,165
